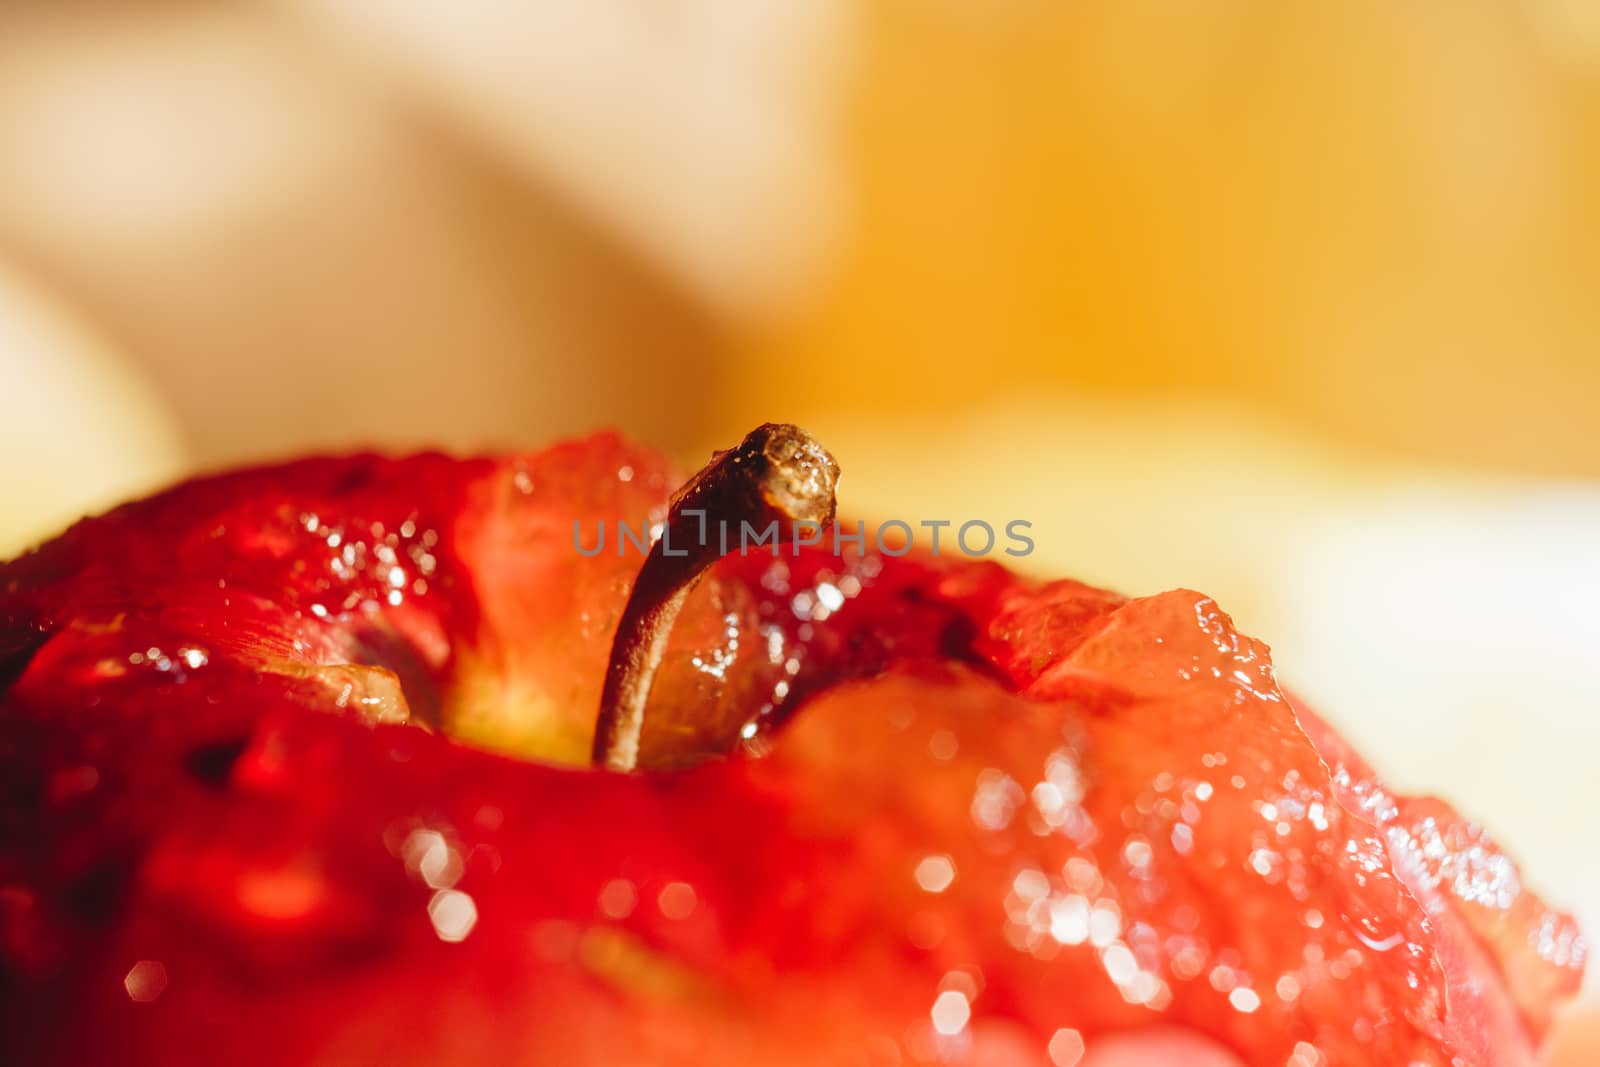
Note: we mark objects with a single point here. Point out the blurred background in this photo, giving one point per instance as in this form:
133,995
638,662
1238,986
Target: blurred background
1297,306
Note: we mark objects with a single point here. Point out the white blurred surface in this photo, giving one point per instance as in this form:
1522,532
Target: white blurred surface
302,260
706,133
135,133
79,429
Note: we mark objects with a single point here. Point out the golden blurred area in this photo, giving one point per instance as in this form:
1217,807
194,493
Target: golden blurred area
1375,222
1296,305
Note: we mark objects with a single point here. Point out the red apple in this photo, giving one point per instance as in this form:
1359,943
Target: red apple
882,809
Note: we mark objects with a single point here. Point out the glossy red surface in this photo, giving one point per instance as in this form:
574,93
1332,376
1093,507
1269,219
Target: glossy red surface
974,819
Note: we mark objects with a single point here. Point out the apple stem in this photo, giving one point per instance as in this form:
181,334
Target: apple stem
777,473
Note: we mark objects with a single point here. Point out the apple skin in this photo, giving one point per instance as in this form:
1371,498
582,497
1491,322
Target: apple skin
1009,808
